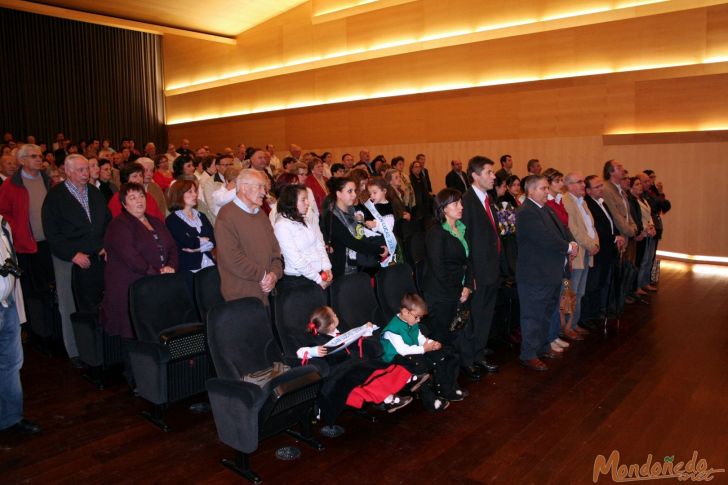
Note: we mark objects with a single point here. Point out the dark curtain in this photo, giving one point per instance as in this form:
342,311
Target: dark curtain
82,79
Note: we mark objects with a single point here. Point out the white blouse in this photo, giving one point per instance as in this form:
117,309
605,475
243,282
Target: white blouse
303,249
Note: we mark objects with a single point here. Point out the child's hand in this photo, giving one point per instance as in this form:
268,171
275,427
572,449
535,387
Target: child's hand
429,345
369,324
322,351
406,216
371,224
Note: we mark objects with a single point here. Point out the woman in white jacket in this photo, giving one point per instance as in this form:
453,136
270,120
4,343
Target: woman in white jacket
302,245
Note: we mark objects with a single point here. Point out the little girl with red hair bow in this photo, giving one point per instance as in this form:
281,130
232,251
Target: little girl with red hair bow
350,378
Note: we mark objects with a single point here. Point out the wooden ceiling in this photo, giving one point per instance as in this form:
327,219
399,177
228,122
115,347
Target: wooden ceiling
219,17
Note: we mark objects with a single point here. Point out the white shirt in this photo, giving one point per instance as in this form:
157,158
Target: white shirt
402,348
219,198
303,249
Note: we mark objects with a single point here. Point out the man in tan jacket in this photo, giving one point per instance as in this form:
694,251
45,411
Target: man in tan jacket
581,225
249,257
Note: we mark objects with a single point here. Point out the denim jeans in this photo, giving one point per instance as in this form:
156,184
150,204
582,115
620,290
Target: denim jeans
578,286
11,360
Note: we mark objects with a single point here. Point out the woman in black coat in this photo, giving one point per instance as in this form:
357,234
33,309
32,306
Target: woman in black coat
341,234
448,281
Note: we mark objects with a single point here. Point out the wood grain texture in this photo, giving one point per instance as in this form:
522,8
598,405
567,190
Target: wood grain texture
638,389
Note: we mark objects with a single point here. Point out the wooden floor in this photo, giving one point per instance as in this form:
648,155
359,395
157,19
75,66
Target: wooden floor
657,383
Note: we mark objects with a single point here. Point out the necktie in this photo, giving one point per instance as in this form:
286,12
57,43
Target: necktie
492,221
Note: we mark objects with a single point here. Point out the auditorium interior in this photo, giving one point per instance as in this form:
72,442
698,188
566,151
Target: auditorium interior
572,83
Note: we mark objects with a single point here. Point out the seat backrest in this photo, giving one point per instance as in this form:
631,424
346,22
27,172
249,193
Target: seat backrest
87,286
159,302
353,300
207,290
240,338
391,285
293,307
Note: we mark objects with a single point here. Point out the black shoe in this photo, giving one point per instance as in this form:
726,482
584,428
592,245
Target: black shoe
454,396
487,366
24,427
590,324
470,372
77,363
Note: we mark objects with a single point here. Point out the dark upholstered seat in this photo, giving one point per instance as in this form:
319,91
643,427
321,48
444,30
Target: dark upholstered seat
206,284
241,342
391,285
96,348
169,358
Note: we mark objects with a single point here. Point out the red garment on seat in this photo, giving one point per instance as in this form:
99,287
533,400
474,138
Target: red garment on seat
380,384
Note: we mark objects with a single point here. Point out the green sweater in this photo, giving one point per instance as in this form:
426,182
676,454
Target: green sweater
409,333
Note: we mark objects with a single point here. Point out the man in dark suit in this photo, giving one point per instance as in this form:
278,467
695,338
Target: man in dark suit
594,304
75,217
456,178
425,173
544,246
506,170
484,243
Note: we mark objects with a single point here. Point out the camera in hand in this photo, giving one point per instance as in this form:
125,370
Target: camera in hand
9,267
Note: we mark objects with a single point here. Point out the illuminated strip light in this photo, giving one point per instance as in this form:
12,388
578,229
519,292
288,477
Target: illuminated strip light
693,257
410,41
578,13
347,7
444,87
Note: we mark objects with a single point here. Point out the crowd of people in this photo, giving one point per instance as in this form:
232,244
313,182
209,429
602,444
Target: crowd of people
270,223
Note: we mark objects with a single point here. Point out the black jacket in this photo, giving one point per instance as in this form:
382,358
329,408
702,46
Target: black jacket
447,266
187,237
67,227
606,232
338,237
482,240
453,181
543,244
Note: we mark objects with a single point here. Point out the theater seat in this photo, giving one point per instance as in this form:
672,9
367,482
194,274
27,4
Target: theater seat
98,350
206,283
391,285
242,342
293,306
169,358
353,300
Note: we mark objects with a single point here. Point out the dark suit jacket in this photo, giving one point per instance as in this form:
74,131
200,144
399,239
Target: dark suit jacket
66,225
447,266
453,181
543,244
482,239
428,183
607,233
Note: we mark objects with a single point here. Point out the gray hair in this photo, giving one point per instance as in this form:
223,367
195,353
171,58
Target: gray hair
70,161
247,175
530,182
25,150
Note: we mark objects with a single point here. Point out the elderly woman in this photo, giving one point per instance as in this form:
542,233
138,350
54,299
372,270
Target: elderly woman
134,172
183,165
302,245
190,229
317,181
136,245
105,185
448,282
423,202
341,232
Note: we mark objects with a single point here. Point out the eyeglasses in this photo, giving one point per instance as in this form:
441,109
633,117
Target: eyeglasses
258,186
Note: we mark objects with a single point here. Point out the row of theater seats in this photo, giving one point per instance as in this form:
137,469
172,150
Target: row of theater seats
189,341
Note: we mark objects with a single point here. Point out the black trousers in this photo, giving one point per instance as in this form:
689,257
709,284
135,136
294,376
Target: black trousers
38,283
441,363
473,339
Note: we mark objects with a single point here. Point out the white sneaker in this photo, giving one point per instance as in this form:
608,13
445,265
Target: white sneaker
562,343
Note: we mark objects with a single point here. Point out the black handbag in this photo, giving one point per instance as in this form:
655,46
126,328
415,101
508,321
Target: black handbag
461,318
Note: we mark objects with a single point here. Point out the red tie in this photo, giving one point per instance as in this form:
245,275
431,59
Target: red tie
492,222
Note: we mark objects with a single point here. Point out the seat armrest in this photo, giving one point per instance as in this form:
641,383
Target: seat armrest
249,393
180,331
308,375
